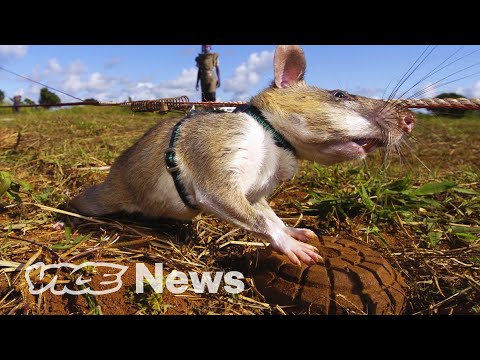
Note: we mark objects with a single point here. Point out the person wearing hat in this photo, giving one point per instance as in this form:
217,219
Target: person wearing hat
206,61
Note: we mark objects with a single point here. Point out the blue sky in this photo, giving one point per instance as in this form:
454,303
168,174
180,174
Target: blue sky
115,72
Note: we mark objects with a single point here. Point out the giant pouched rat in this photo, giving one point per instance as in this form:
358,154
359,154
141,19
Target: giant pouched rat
227,163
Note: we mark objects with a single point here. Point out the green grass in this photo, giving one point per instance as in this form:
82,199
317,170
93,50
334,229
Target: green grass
149,302
436,212
433,191
54,143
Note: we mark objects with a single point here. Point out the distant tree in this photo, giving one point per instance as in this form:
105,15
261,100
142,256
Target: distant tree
458,113
91,100
28,101
2,96
129,99
48,98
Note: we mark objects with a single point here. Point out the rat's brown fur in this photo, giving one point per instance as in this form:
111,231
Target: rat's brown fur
229,163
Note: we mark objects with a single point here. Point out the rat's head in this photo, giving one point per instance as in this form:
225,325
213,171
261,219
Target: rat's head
328,126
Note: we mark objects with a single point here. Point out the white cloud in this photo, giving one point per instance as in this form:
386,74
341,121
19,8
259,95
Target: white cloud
472,91
77,67
186,80
53,67
73,83
17,51
183,85
75,79
120,88
248,74
33,92
475,93
97,82
140,91
468,92
144,85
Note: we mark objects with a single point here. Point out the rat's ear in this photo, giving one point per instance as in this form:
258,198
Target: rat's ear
289,65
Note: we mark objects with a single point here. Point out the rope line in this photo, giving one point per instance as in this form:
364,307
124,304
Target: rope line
449,103
183,102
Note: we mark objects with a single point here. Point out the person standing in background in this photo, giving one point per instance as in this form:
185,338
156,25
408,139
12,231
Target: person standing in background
206,62
16,102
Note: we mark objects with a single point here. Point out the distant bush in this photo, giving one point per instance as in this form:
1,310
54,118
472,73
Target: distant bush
29,101
48,98
458,113
92,100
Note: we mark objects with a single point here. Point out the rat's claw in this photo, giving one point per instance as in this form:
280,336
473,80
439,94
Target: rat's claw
312,252
307,253
60,225
314,256
293,258
302,234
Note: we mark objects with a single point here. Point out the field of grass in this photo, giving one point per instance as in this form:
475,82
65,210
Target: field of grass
422,212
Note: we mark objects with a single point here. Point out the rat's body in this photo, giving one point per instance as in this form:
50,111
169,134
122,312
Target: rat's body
229,163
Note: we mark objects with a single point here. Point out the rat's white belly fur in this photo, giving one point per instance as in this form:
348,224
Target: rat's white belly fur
259,163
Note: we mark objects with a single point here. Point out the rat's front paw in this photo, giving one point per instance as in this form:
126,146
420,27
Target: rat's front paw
302,234
296,251
60,225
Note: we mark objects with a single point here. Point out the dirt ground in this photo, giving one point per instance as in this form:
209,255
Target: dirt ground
111,304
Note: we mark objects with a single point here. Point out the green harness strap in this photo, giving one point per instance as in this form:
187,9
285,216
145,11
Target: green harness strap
174,170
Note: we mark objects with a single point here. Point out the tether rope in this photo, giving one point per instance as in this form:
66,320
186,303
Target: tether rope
183,102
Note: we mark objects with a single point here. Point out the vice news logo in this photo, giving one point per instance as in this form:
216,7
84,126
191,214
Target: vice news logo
176,282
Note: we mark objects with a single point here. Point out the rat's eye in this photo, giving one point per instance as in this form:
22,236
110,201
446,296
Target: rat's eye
339,94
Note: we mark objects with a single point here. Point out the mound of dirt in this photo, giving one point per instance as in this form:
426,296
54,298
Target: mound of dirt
354,279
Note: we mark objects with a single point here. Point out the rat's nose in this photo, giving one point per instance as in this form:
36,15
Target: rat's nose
407,123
